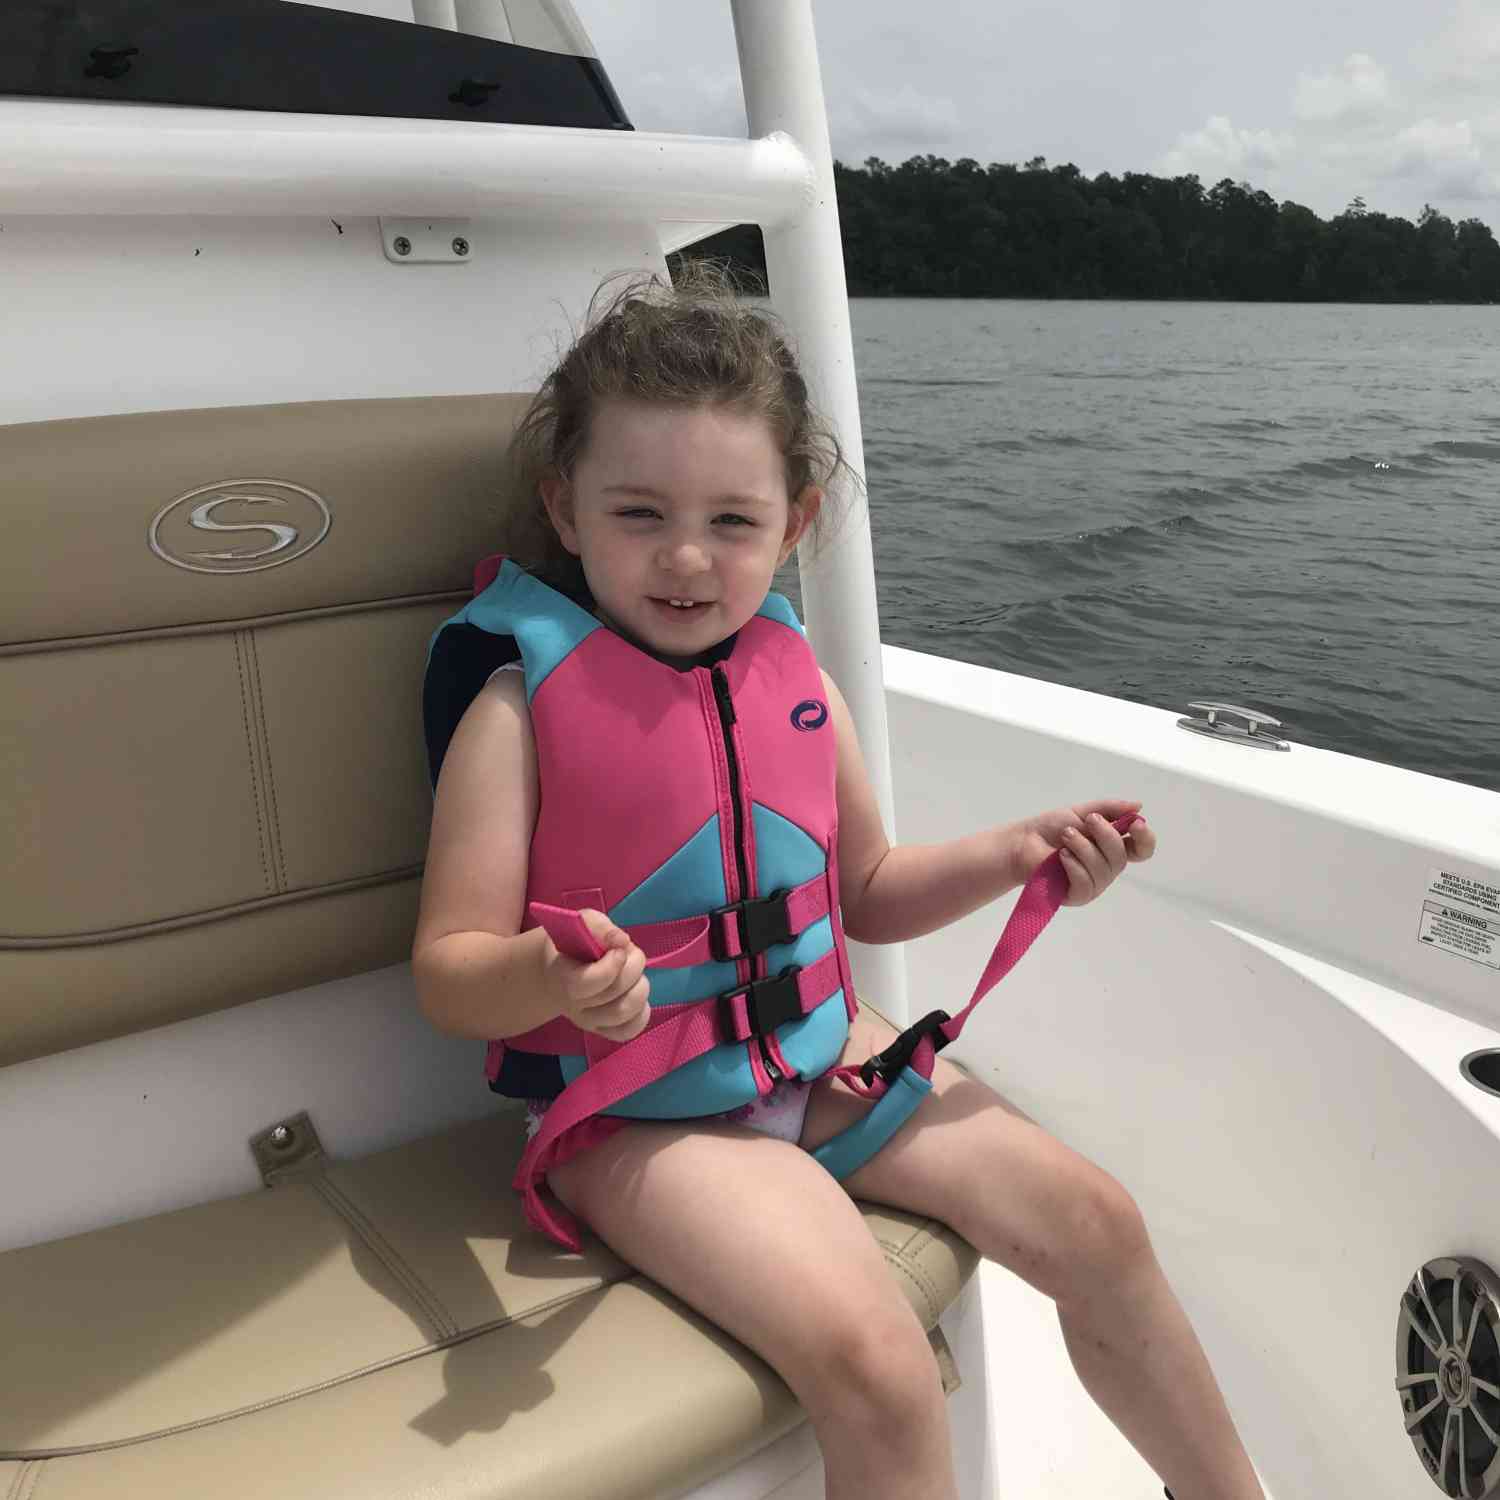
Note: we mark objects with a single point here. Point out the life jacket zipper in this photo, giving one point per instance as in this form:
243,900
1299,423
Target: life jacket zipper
727,720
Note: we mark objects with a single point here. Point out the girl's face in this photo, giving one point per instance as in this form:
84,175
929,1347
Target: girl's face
680,516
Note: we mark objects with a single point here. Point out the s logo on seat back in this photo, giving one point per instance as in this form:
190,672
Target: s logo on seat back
273,520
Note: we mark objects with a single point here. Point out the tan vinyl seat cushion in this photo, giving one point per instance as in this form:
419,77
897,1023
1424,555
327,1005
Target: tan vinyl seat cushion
377,1328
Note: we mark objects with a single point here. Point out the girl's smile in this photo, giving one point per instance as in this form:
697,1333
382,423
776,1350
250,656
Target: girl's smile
680,517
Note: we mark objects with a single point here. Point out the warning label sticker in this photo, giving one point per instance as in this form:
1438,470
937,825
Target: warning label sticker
1462,915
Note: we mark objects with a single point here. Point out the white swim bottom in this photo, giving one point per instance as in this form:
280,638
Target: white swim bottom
780,1113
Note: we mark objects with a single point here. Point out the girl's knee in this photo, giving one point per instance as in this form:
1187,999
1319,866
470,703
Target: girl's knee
1103,1234
872,1367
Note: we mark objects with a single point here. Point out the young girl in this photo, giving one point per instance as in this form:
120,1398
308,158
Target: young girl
666,468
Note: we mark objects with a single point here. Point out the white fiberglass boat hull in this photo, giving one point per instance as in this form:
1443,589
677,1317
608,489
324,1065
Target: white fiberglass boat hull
1248,1032
1296,1130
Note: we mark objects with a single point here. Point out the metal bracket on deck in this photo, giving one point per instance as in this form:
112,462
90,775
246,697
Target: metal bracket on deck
1250,734
290,1148
427,242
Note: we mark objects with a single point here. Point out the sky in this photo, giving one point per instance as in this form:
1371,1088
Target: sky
1319,101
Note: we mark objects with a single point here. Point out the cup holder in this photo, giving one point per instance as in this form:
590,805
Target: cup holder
1482,1069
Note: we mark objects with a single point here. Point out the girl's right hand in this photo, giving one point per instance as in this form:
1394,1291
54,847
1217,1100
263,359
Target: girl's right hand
607,996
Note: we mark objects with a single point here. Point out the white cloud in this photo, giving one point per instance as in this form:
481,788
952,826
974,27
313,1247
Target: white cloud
1430,140
1399,102
1466,53
1445,156
1220,149
706,101
869,122
1357,86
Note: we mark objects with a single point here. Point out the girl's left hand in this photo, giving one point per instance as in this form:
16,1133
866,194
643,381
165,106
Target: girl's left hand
1092,852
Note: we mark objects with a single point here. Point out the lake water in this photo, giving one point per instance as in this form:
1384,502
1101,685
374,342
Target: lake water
1295,508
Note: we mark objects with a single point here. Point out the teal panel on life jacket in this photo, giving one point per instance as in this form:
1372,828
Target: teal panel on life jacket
722,1079
785,855
779,608
546,625
688,883
717,1081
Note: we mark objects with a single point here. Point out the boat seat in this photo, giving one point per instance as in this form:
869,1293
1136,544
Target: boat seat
382,1327
369,1327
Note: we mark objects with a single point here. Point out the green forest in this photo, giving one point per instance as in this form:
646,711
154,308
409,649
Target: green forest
934,228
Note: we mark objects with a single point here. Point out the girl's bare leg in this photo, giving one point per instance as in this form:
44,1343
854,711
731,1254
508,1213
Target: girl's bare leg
1025,1200
756,1236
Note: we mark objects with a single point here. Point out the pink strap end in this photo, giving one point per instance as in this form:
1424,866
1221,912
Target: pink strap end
567,929
553,1221
851,1079
487,570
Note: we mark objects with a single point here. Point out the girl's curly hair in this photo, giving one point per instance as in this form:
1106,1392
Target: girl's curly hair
697,343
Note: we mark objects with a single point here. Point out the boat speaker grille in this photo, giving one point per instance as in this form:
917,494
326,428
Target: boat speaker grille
1448,1374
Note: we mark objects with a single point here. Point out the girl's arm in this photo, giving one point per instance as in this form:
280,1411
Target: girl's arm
890,894
476,974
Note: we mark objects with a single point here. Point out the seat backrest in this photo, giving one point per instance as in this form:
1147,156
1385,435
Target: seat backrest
213,627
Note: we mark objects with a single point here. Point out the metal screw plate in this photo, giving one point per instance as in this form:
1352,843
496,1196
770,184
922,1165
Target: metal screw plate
286,1148
428,242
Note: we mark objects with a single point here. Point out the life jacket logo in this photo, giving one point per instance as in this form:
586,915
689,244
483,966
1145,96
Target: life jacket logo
811,713
271,522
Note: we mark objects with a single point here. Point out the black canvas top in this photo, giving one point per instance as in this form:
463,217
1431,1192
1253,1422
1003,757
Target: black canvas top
273,54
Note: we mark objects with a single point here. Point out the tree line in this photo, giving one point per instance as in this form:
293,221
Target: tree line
934,228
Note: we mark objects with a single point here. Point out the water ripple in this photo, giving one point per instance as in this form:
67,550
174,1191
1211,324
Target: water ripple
1253,501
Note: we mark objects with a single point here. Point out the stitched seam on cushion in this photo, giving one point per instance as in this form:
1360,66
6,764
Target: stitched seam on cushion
220,627
900,1247
23,1486
40,1455
925,1235
213,914
260,828
443,1323
278,850
920,1277
923,1288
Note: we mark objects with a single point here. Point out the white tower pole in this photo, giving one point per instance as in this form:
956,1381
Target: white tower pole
437,13
482,18
805,265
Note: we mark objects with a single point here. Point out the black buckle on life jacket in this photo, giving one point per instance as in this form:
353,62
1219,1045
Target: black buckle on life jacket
888,1064
763,922
769,1003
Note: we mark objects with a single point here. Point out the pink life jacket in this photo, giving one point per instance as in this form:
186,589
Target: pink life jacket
697,808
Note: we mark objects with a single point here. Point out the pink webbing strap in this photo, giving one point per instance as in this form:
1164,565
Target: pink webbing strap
655,1052
689,940
683,1037
682,1033
1037,904
813,982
